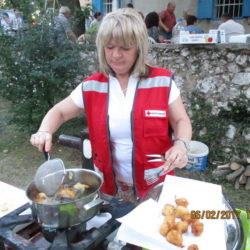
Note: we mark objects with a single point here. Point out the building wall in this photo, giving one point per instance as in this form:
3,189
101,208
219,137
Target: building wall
85,2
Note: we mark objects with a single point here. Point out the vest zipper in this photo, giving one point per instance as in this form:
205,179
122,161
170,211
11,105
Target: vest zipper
109,145
132,138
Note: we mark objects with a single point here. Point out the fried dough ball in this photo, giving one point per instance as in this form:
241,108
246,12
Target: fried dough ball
197,227
170,220
168,209
175,237
168,223
193,247
181,226
181,202
188,218
79,185
66,193
181,211
40,197
164,229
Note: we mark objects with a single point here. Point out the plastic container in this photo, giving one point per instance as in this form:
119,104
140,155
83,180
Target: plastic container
176,30
197,157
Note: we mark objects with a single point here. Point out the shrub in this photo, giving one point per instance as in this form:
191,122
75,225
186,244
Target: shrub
36,73
211,129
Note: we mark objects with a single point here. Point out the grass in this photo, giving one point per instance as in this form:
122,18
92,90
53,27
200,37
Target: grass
19,159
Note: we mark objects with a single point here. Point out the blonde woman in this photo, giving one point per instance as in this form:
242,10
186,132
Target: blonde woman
130,107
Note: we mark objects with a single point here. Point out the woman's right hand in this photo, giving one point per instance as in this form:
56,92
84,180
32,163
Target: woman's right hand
42,140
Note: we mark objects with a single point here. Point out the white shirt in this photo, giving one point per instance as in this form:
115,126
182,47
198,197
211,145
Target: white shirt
119,110
231,28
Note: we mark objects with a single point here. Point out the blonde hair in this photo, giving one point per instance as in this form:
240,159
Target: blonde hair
127,27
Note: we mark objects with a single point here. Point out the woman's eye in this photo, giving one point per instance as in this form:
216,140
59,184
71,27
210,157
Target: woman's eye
126,48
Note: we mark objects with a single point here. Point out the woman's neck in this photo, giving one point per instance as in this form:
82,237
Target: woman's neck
123,80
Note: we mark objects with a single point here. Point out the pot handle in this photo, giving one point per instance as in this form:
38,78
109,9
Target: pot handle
92,204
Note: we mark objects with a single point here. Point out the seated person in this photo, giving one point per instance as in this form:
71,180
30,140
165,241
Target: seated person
152,23
230,27
192,25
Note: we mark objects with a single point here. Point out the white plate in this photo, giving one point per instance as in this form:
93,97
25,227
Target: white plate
10,198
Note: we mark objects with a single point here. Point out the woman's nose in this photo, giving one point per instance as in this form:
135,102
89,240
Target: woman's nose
116,52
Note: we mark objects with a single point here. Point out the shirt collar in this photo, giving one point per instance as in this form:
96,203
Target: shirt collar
132,77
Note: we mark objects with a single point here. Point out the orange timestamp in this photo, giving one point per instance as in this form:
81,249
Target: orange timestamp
216,214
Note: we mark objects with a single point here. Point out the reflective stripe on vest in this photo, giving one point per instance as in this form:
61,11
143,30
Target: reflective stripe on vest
159,81
100,87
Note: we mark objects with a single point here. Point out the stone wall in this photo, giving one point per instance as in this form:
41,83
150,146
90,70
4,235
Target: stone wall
220,71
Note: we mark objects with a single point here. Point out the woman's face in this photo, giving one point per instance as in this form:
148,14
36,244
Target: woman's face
120,58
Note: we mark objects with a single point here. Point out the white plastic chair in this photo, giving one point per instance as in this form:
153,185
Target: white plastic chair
151,40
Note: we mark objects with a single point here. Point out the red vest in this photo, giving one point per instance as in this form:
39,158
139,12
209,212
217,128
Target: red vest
149,127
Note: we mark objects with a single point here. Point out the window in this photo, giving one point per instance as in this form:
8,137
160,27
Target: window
232,7
213,9
107,6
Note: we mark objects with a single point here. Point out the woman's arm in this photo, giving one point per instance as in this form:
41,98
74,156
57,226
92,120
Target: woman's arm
56,116
176,156
179,120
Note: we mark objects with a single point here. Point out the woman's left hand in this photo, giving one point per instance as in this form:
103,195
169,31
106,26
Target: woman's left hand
176,157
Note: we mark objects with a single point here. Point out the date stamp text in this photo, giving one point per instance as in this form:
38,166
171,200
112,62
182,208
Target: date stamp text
216,214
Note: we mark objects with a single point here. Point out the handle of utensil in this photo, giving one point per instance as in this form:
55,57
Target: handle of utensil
46,154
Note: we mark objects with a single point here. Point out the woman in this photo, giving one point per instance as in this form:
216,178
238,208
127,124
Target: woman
129,106
152,23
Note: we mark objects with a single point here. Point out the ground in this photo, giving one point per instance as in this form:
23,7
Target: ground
19,161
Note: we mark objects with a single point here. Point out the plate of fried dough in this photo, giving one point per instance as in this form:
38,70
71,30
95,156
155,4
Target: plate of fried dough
175,221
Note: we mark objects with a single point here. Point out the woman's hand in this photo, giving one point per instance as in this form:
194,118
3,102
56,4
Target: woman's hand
42,140
176,157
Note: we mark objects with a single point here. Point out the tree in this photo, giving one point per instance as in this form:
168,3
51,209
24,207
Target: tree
36,72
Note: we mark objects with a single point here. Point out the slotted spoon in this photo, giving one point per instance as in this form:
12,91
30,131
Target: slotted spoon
50,175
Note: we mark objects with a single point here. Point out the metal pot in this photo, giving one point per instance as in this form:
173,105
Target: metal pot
71,213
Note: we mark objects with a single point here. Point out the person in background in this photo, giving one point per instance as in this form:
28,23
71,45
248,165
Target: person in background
94,25
129,108
17,22
167,20
192,25
152,23
62,26
7,24
230,27
130,5
185,14
141,14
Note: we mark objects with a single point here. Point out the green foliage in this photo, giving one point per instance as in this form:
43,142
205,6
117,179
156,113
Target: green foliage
27,7
36,73
211,129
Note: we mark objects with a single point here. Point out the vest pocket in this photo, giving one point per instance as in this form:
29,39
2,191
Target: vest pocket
155,123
